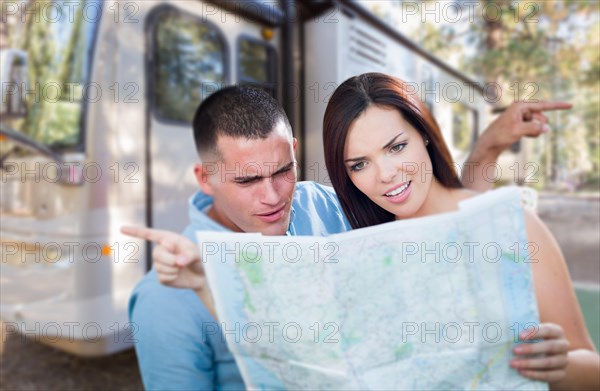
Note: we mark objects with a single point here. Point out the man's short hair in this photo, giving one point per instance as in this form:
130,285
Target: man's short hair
236,111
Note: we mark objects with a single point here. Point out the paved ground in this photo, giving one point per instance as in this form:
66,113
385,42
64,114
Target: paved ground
28,365
575,222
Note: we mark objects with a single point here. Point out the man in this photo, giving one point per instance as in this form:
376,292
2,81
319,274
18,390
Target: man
248,181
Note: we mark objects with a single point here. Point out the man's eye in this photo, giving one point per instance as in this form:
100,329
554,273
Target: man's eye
246,181
358,166
398,147
286,172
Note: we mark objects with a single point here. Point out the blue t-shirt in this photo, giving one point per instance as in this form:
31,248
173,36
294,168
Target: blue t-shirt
179,344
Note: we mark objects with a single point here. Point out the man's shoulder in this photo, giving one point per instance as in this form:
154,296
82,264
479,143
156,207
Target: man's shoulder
317,211
306,190
198,204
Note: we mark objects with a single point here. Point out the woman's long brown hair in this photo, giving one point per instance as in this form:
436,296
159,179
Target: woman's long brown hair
347,103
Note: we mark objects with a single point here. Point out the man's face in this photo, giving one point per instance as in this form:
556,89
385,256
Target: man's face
252,182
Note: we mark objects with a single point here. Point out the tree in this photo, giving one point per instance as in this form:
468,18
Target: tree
531,51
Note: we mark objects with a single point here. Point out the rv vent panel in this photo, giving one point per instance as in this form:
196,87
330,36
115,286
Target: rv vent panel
366,48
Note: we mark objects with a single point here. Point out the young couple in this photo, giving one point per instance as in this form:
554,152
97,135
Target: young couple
379,143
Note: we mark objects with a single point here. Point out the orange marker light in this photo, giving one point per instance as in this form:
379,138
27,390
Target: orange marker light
267,33
106,250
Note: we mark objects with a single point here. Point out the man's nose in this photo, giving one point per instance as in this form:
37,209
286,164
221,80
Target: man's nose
269,194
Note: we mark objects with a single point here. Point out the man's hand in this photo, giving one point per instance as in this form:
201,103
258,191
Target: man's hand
521,119
545,360
176,260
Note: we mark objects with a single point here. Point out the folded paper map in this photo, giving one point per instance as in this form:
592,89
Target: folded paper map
433,303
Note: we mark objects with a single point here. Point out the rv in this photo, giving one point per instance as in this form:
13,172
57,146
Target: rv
97,100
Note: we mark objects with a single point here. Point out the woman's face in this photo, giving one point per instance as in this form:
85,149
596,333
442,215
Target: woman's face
386,159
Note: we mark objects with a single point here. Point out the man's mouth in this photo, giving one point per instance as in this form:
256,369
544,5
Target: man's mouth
272,215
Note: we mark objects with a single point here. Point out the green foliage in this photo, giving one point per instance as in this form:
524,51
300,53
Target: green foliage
544,50
56,74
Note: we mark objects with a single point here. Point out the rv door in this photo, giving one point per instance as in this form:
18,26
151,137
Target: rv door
190,53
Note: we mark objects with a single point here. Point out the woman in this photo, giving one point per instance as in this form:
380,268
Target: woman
387,160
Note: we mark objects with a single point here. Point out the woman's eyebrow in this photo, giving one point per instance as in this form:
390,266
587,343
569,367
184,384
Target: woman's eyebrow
354,159
389,143
392,140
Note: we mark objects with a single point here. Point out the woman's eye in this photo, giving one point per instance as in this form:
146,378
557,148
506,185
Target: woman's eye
398,147
357,166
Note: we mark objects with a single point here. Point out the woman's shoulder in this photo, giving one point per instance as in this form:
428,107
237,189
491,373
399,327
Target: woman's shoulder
537,231
463,194
528,196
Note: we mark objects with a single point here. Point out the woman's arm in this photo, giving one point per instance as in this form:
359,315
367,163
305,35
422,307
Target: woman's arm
520,119
567,365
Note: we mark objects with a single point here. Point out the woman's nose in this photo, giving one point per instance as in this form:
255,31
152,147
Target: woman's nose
386,171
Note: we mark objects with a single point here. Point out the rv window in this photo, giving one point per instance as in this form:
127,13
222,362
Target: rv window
428,89
49,74
189,64
257,64
464,127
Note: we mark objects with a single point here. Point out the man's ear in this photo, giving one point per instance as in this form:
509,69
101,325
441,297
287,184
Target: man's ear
203,173
295,143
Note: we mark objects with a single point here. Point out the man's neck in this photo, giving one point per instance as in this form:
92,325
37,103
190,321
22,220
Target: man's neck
216,217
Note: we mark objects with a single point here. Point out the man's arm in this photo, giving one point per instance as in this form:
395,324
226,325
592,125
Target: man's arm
521,119
173,350
176,260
